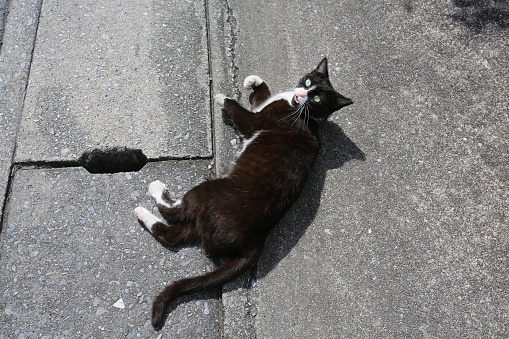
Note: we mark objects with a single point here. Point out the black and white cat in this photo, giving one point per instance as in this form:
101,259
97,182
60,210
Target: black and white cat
231,216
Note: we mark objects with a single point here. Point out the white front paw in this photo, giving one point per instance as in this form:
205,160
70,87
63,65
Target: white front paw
252,81
219,99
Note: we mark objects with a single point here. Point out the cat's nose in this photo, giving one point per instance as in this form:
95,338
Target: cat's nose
300,92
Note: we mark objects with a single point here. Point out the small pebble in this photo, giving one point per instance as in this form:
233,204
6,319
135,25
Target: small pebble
119,304
100,311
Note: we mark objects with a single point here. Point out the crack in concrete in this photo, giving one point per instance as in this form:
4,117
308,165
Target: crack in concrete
231,48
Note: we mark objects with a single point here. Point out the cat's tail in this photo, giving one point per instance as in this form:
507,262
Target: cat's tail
217,278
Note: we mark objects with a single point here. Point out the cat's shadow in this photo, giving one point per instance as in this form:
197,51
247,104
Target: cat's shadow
336,150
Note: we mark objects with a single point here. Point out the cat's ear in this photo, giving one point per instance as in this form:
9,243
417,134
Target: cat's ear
322,69
342,101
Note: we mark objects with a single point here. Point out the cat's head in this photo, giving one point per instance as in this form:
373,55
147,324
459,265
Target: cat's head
315,92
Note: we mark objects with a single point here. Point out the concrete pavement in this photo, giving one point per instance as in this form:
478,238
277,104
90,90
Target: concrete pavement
401,231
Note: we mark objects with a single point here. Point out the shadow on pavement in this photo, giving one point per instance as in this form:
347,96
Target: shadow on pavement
477,14
337,149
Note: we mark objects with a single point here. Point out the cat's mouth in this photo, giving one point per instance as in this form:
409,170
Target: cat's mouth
300,96
298,100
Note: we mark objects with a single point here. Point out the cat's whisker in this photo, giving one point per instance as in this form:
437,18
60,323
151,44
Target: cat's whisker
299,113
305,110
298,109
308,114
295,113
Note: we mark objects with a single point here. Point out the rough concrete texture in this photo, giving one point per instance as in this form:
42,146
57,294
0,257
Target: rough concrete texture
400,232
75,263
113,75
411,242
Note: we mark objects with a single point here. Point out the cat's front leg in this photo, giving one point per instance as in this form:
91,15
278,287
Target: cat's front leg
261,91
242,118
219,99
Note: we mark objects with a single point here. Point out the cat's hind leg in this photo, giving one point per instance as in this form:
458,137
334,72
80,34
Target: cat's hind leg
146,218
159,192
175,235
168,208
260,89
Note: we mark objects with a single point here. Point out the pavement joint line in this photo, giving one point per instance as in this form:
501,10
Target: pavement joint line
249,303
211,80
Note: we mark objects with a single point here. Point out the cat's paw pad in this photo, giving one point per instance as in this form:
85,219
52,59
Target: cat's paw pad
219,99
147,218
252,81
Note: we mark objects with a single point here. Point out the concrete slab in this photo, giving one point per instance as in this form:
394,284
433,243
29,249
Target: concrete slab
15,55
118,74
71,249
413,240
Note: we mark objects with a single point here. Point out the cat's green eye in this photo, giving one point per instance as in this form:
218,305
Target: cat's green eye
316,98
308,83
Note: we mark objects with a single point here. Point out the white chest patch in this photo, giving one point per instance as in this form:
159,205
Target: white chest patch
288,96
246,143
250,140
